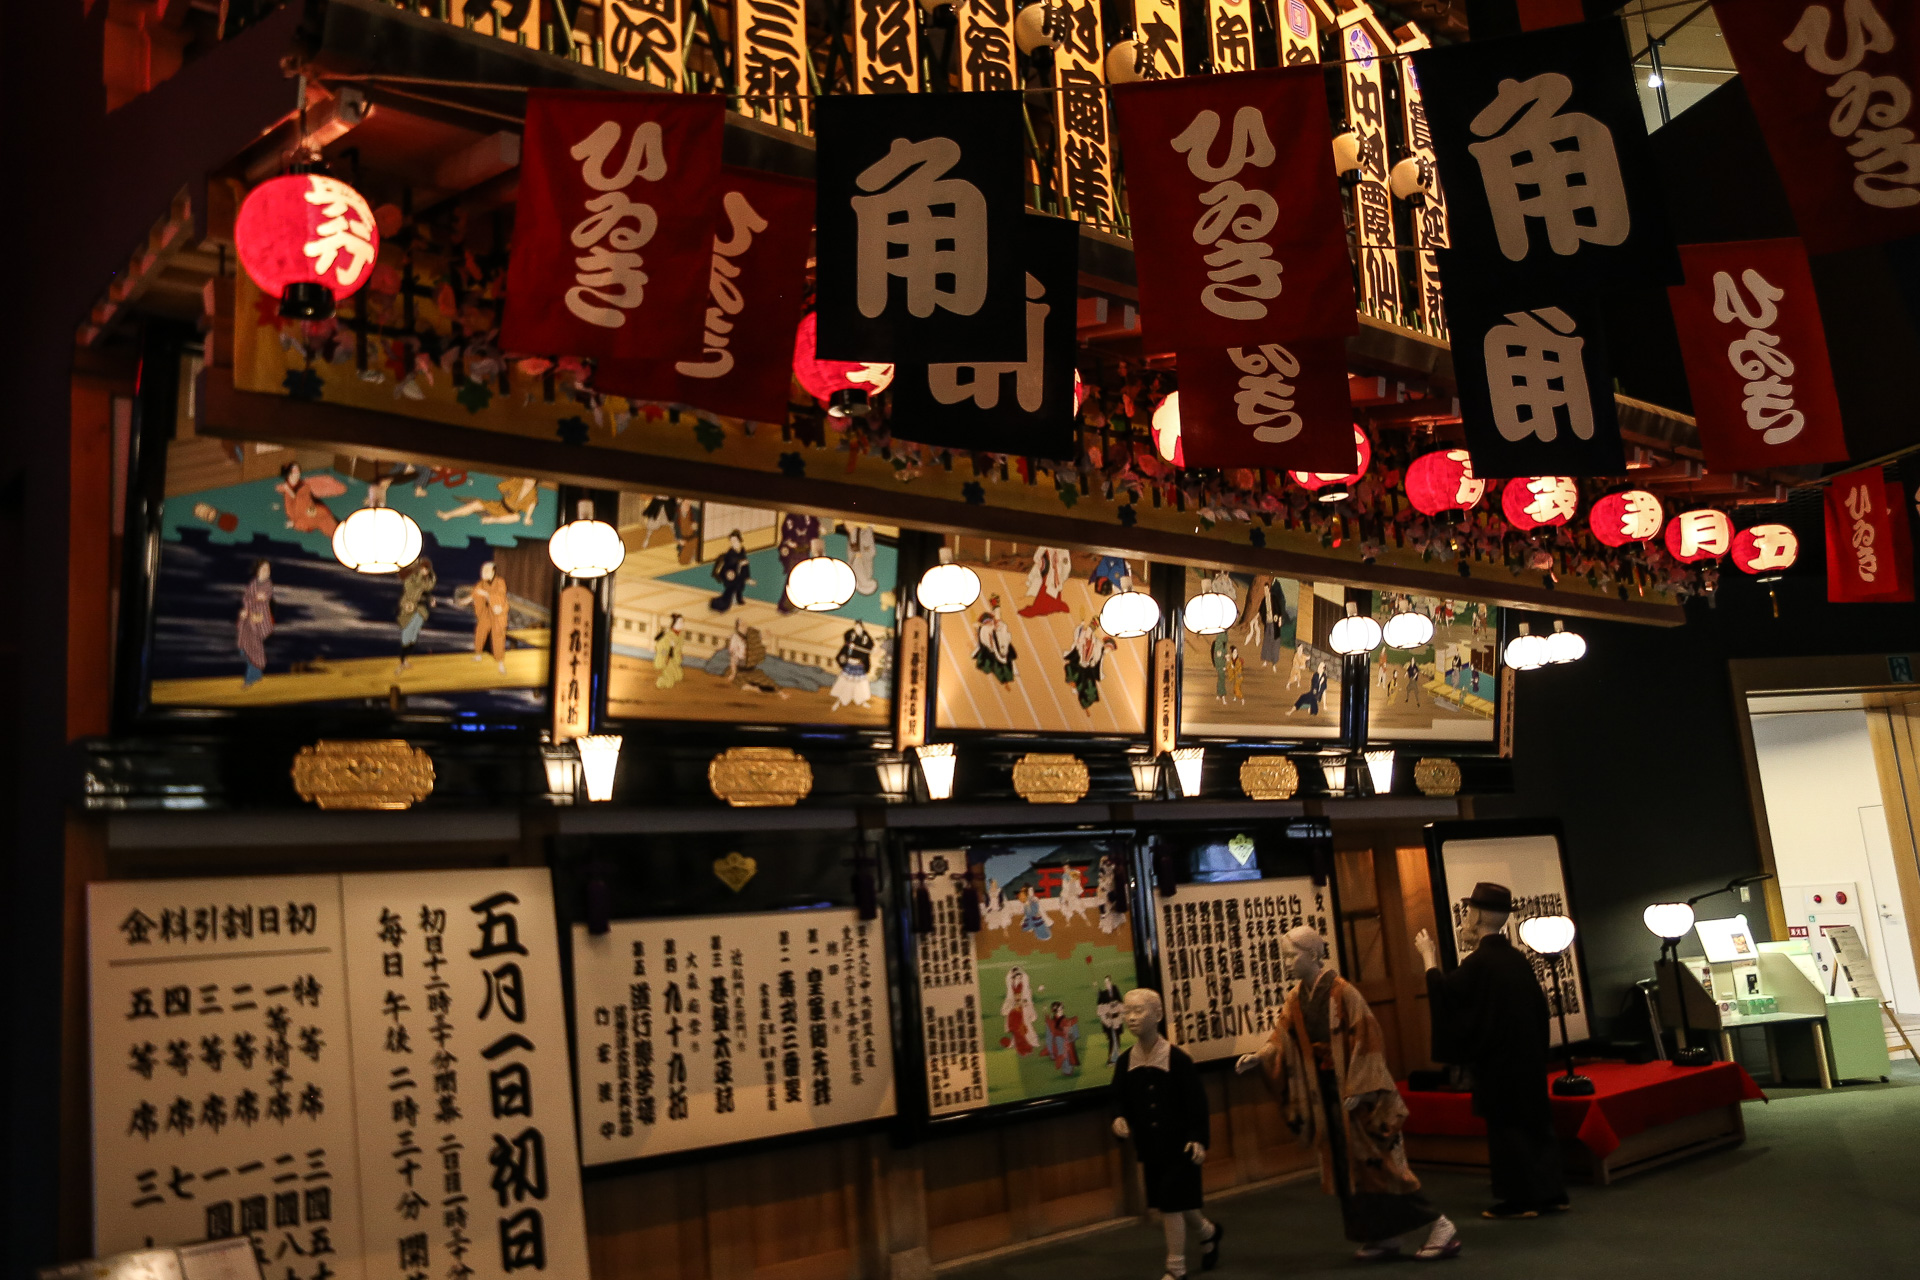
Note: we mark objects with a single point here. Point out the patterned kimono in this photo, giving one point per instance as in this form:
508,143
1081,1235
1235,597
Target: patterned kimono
1331,1051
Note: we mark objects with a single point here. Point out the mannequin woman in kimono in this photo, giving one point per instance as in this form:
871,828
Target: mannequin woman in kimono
1326,1065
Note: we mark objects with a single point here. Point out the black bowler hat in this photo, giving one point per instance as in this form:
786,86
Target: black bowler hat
1491,897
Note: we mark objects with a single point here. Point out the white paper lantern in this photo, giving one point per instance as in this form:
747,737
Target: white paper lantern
1408,180
1410,630
599,759
820,584
377,540
948,587
1210,613
1346,152
1129,613
1564,645
1669,920
586,548
1127,62
1354,634
937,760
1186,768
1526,651
1030,27
1549,935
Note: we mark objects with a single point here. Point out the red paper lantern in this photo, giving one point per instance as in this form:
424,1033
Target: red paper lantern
1443,481
844,386
307,240
1331,486
1633,515
1704,534
1766,551
1533,502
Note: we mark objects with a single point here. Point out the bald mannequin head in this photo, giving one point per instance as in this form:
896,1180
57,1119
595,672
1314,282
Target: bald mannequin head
1304,952
1481,923
1143,1012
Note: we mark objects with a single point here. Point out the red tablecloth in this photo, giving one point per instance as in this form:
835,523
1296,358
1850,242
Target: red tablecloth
1628,1098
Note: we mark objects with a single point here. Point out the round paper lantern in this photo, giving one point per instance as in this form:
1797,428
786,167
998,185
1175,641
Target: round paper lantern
1128,62
1033,27
1210,613
586,548
1533,502
1630,516
1526,651
844,386
1443,481
1166,430
1330,486
1346,153
1354,634
1704,534
1129,613
1411,180
1549,935
1766,551
948,587
1565,646
307,240
819,584
1409,630
1669,920
376,540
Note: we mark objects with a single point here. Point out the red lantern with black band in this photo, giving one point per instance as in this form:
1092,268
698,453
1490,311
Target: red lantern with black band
844,386
1443,481
308,240
1331,486
1535,502
1632,515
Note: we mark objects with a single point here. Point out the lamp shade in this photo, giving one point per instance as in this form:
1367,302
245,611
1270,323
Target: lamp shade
1526,651
1331,487
377,540
947,587
1669,920
1146,775
937,760
1564,645
1549,935
307,240
1210,613
1129,613
1187,762
1533,502
1380,771
1166,430
1443,481
1409,630
820,584
1354,634
1766,551
599,759
586,548
844,386
1702,534
1335,771
1633,515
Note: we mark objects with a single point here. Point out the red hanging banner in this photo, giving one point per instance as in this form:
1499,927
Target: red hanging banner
1832,86
1237,230
619,195
1869,547
1280,407
756,283
1756,355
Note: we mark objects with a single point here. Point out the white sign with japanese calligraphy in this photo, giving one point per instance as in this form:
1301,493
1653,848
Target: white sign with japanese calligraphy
1220,960
698,1032
950,1034
222,1094
1531,868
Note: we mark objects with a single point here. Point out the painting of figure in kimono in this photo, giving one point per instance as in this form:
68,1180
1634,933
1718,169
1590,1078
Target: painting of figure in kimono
1446,689
1271,674
1030,654
702,628
252,609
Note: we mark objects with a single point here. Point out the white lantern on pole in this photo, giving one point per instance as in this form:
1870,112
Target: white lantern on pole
948,587
586,548
820,584
1526,651
1354,634
1564,645
1129,613
377,540
1409,630
1210,613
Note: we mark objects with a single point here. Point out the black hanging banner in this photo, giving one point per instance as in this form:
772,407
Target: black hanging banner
918,227
1023,407
1542,149
1536,386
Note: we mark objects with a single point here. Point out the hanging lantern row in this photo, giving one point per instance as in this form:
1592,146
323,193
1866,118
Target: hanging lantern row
586,547
1529,652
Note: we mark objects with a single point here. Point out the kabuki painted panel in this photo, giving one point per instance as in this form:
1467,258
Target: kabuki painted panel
1271,674
1444,690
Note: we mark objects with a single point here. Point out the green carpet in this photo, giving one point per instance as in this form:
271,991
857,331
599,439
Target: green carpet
1827,1186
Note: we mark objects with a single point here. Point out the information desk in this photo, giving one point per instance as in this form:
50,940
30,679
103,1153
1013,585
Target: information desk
1639,1116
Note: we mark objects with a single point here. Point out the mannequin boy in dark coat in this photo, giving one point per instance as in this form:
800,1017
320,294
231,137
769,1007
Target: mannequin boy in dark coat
1490,1015
1160,1103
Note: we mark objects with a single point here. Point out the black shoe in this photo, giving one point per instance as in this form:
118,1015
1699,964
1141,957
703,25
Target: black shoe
1510,1209
1555,1206
1210,1249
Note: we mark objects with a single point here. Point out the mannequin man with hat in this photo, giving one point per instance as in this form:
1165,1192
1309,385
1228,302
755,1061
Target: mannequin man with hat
1491,1016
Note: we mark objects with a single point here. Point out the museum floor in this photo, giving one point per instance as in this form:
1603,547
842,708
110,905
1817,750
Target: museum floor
1824,1187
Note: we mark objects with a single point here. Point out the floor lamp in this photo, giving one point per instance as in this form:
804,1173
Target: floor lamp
1551,936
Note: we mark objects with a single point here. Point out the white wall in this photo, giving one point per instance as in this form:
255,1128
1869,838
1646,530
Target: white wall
1817,774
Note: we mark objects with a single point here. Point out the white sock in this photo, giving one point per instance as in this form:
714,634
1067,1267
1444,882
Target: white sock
1442,1232
1175,1226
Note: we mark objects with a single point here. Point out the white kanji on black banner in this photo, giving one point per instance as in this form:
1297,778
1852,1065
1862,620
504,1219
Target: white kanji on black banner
919,223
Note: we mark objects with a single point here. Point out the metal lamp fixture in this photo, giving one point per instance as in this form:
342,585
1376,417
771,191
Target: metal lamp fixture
1564,646
1354,634
1210,613
1670,921
1186,768
947,587
1129,613
1409,630
894,773
562,764
377,540
820,584
937,760
1526,651
1146,776
1551,936
1335,769
599,759
586,548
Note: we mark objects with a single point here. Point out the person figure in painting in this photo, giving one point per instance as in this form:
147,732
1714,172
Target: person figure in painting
860,555
256,621
854,687
1413,679
1063,1040
417,582
734,572
490,616
1046,579
1112,886
1491,1015
799,540
746,650
662,512
1218,654
1033,917
1299,672
1316,692
1161,1106
301,495
1236,675
1107,574
1326,1065
1085,658
1112,1012
993,650
1266,614
519,497
669,654
1016,1008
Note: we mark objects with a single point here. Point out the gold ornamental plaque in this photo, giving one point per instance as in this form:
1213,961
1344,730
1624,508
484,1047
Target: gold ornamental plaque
735,870
1436,777
1041,778
759,777
1269,778
381,773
